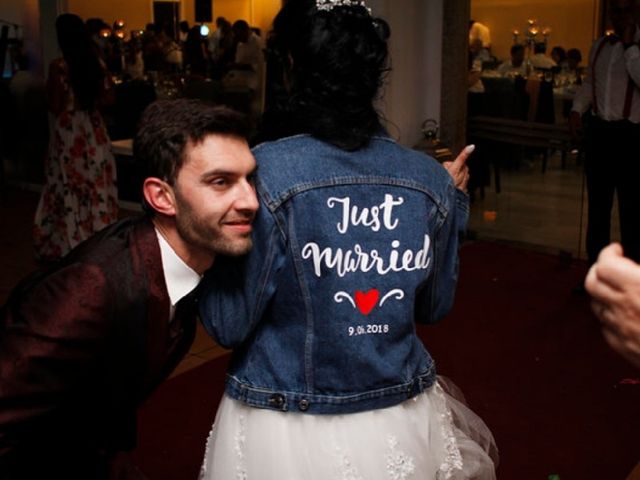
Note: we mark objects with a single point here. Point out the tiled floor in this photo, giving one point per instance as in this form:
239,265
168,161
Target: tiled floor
547,210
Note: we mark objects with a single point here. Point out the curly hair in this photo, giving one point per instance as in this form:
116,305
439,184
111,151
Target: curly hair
335,62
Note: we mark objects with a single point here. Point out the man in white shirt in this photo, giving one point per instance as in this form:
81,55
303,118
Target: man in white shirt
248,67
611,95
539,59
514,66
213,43
249,57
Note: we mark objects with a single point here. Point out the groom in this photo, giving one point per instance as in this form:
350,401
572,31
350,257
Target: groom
83,343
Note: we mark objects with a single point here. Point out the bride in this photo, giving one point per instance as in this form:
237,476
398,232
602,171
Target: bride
318,387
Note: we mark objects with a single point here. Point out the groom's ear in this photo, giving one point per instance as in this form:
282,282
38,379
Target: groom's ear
160,196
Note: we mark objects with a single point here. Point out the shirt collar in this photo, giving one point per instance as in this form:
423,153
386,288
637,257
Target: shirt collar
179,277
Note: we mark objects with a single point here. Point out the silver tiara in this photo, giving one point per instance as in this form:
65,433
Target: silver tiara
328,5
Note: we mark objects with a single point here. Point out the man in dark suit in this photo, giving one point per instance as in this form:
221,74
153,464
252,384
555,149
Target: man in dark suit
85,341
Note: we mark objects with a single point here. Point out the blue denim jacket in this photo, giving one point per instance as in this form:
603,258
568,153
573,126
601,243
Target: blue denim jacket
350,249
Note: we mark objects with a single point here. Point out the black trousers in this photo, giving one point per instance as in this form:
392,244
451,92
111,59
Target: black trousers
612,165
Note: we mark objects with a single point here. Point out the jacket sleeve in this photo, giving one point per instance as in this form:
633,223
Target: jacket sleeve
436,299
52,330
236,291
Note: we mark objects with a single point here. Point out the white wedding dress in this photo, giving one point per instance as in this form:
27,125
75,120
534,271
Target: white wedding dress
432,436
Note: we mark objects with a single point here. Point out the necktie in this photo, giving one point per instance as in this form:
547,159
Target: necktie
184,315
182,330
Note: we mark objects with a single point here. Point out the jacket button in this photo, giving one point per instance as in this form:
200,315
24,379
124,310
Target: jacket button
303,405
276,401
410,390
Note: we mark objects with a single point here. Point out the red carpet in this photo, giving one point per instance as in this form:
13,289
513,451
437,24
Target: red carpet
527,353
175,422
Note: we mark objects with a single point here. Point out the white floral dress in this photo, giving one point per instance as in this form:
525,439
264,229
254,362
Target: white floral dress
80,195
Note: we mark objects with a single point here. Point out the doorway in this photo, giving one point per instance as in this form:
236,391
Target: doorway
167,14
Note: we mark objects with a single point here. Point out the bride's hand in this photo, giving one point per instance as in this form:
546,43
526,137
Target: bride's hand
458,169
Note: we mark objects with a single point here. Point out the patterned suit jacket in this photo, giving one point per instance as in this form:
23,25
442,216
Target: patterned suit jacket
82,344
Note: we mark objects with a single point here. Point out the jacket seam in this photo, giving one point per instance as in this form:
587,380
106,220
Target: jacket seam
274,203
422,380
308,311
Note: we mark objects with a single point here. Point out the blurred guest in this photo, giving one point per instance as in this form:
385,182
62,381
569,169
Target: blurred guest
183,31
514,66
153,48
80,195
610,95
195,58
133,60
574,57
226,52
479,31
478,52
477,56
114,54
173,57
559,55
213,42
249,53
248,67
539,59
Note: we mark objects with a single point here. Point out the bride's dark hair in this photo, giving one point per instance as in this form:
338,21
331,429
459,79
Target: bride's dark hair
334,62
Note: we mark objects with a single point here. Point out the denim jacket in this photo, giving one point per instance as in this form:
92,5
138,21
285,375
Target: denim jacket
350,249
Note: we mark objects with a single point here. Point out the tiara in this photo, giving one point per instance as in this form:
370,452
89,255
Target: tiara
328,5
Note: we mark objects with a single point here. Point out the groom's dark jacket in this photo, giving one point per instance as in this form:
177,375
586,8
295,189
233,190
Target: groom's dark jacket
82,344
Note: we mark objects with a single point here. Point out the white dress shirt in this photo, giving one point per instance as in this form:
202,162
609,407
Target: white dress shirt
179,277
507,69
614,65
540,60
251,53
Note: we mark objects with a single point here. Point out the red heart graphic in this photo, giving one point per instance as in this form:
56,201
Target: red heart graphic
367,300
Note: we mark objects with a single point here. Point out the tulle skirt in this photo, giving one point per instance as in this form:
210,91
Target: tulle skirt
432,436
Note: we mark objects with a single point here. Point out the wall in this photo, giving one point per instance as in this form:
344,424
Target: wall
263,13
137,13
412,93
571,21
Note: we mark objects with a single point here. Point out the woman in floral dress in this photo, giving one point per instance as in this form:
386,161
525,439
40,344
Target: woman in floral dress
80,194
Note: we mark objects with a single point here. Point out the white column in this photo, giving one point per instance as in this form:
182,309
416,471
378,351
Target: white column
412,92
